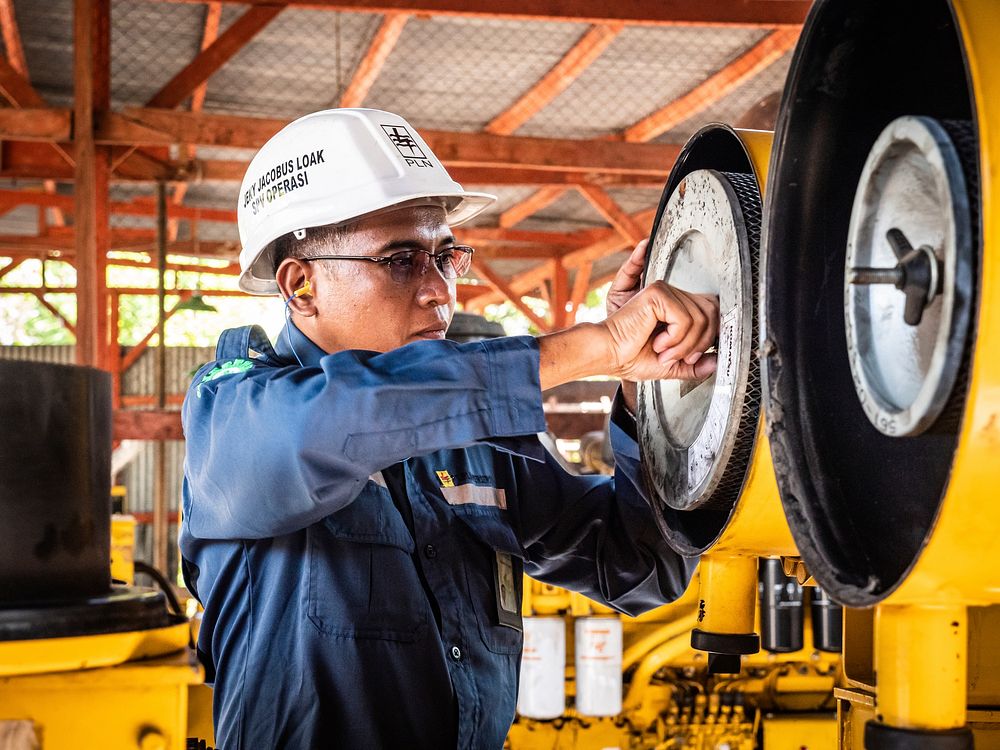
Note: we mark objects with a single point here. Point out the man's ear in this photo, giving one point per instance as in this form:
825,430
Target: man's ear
295,279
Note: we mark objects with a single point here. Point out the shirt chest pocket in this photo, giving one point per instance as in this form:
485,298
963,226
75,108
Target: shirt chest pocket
362,580
495,563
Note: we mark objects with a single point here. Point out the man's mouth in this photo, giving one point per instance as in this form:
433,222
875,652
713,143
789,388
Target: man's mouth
434,332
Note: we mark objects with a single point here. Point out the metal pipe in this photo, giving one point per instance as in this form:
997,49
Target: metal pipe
160,527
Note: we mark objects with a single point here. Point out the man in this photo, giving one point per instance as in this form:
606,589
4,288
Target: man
361,500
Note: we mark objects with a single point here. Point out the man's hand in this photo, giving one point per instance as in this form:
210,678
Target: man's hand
624,287
651,334
627,280
661,333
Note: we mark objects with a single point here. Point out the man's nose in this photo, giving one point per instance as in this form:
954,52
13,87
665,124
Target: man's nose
434,288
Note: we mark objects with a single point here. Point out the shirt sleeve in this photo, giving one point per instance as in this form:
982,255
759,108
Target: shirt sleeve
272,450
596,535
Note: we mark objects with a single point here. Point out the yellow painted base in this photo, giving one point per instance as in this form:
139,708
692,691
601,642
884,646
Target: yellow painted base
89,651
142,705
857,707
800,732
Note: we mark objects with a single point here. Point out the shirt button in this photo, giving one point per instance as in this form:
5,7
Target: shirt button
430,551
456,653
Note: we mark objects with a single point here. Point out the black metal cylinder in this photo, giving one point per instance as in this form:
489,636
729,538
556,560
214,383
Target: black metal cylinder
827,622
55,482
781,623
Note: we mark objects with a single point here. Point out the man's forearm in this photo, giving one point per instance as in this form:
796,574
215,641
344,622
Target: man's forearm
576,352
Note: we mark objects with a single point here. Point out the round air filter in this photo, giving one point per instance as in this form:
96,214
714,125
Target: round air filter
870,267
908,281
696,438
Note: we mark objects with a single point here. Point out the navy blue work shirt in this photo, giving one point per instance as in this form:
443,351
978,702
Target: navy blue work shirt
347,519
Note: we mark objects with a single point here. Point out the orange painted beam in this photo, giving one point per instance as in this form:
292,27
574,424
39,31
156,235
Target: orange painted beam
612,242
531,205
12,38
210,32
135,352
209,35
147,424
92,80
152,127
209,60
14,263
568,69
725,81
136,291
374,59
16,88
40,296
614,214
581,285
494,279
560,297
752,13
522,283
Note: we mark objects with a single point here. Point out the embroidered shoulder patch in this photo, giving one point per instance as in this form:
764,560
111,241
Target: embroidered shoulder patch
229,367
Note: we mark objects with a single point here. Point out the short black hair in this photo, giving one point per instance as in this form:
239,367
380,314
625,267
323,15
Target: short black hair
317,239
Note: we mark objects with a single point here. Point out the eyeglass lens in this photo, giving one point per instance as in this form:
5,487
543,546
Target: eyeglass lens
407,265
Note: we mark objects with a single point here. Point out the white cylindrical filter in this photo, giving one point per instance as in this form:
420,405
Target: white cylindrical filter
599,666
542,692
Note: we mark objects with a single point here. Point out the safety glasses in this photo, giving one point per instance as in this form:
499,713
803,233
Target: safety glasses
409,265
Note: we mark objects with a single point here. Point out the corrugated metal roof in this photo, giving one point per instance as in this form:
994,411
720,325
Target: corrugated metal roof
459,73
643,69
452,73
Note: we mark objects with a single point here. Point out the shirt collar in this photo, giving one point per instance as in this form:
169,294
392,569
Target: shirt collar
297,348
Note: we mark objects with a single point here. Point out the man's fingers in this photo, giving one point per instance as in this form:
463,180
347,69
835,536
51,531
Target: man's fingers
698,322
702,369
631,271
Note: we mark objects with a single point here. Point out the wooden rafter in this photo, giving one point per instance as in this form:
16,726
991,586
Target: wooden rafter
374,59
520,284
195,73
210,32
16,88
14,263
147,424
644,12
40,296
607,207
22,160
559,301
494,279
568,69
612,242
531,205
581,285
92,95
152,127
12,38
728,79
136,351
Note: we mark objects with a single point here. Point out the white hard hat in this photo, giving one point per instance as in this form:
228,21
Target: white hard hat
331,167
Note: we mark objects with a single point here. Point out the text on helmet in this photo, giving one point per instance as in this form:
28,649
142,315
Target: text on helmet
281,179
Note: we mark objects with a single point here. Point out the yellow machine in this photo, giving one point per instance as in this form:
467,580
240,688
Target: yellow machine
881,351
669,700
84,663
730,529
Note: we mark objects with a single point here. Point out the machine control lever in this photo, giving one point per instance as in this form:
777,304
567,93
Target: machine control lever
917,273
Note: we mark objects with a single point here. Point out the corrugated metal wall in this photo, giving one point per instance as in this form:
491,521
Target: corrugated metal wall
139,476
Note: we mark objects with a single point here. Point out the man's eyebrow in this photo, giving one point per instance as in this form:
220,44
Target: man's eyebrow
412,244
